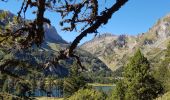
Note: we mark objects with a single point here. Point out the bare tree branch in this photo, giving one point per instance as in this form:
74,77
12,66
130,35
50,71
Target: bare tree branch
106,15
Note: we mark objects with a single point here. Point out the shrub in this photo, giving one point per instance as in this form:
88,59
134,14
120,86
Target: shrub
88,94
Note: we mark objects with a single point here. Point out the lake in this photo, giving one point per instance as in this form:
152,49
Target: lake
103,88
58,92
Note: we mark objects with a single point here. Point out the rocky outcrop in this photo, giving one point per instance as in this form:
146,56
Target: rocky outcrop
115,50
52,36
42,57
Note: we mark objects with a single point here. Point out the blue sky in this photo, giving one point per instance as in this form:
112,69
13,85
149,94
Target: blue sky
137,16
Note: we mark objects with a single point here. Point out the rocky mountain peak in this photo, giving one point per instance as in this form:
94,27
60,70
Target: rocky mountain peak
51,35
115,50
158,34
45,55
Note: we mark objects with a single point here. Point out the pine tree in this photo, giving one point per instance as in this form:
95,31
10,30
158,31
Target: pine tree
163,71
74,70
74,82
5,86
119,92
138,81
3,78
166,64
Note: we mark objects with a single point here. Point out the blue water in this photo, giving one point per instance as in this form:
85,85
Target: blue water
57,92
104,88
54,92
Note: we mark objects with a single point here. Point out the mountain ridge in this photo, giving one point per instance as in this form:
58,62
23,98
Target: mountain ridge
114,50
42,57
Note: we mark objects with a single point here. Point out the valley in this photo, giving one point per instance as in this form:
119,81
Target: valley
38,64
114,50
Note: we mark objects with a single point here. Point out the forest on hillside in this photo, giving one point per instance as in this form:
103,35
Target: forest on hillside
34,64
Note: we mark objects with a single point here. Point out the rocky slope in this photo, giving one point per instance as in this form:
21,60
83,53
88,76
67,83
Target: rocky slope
41,58
114,50
52,36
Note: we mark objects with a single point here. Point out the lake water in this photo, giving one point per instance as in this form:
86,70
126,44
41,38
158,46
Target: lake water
104,88
54,92
57,92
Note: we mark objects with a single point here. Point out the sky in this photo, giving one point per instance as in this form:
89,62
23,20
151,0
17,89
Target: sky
136,17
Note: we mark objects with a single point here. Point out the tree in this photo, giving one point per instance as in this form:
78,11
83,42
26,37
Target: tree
138,82
2,81
5,86
33,81
84,14
22,88
3,15
8,85
49,86
87,94
74,82
118,92
74,70
162,73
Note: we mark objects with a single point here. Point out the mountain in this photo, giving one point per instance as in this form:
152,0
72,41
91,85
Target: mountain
42,57
115,50
7,19
111,49
52,36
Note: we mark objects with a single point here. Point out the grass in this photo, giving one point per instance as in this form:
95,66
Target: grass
167,19
49,98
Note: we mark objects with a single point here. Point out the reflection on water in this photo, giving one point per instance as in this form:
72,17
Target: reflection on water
58,92
54,92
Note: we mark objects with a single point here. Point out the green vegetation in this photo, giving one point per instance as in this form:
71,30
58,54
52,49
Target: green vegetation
138,83
166,19
148,38
162,72
3,15
36,76
22,88
74,82
88,94
6,96
72,85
